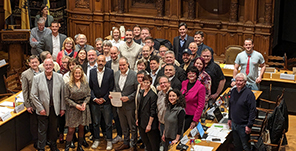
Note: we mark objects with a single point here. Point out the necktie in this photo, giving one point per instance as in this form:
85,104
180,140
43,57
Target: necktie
248,66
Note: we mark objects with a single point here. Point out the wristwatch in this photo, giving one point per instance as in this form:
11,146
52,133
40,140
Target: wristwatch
232,80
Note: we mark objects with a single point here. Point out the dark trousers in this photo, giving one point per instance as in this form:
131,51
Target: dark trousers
47,128
150,139
188,120
167,144
117,122
128,125
62,121
240,138
34,126
97,111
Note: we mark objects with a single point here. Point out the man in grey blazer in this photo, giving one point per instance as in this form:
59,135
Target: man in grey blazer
47,95
52,42
181,42
126,83
27,79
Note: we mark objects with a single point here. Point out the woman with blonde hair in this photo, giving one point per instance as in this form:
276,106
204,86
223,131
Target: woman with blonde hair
68,49
116,37
77,111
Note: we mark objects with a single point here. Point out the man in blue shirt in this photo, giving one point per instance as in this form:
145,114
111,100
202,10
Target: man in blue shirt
242,113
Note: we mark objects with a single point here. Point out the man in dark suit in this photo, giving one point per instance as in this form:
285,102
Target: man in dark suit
199,38
169,71
126,83
52,42
101,82
47,95
27,79
181,42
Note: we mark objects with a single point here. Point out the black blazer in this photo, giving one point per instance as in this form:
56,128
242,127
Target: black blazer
147,108
108,64
180,74
176,83
106,86
176,43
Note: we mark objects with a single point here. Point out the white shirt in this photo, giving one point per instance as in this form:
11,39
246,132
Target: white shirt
171,78
153,76
122,79
100,76
117,44
89,67
55,46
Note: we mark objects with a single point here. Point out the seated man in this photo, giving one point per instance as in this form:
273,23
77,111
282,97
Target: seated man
82,40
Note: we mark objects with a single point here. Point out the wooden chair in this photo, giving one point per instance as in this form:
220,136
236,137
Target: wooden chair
231,53
275,103
291,63
277,61
12,83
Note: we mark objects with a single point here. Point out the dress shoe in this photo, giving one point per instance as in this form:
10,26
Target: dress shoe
72,144
67,146
134,149
122,147
79,147
53,146
61,138
85,144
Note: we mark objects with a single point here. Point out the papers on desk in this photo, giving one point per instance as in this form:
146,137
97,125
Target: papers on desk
20,97
115,101
4,110
218,131
202,148
6,103
5,113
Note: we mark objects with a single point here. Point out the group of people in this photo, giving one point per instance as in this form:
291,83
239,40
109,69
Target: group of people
163,92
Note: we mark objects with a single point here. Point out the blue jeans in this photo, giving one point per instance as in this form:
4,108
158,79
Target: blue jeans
252,86
96,112
240,138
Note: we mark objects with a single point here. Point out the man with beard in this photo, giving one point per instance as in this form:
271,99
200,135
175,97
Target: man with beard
92,62
249,60
130,49
82,40
186,56
101,82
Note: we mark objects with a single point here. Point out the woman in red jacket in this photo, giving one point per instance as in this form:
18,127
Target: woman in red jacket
194,93
67,50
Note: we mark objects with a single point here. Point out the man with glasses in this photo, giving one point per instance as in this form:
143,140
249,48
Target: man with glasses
217,77
82,40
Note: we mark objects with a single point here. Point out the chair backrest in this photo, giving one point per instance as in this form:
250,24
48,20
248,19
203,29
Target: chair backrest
280,98
231,53
291,63
12,83
277,61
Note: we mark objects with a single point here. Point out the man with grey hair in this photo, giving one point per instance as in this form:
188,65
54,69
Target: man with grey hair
170,59
37,33
242,113
47,95
99,47
82,40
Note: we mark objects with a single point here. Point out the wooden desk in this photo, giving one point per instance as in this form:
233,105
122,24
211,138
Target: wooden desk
3,71
15,132
217,146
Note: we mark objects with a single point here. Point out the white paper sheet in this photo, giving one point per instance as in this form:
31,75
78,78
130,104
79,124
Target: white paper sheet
202,148
115,101
6,103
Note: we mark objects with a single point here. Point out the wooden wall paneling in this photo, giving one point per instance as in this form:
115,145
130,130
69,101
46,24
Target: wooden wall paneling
184,9
261,11
98,6
250,14
261,44
114,5
82,6
175,9
211,40
222,43
98,31
167,8
83,27
241,11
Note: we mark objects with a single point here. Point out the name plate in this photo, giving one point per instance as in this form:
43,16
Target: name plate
287,76
193,132
184,140
2,62
19,108
5,116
